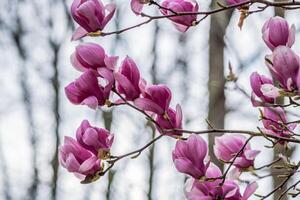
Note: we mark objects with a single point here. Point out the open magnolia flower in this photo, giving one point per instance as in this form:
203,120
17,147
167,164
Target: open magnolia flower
188,156
181,22
211,189
228,146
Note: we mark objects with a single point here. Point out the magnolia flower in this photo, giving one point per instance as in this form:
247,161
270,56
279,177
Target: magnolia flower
276,32
211,189
77,159
92,56
274,121
128,79
284,66
91,15
228,146
87,90
260,84
188,156
156,99
97,140
182,23
172,120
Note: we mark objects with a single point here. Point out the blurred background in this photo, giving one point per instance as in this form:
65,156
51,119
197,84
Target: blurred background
35,115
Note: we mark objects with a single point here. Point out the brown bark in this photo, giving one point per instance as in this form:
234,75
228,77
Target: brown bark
216,82
151,155
279,149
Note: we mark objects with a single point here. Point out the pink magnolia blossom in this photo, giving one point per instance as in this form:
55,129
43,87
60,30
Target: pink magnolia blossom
156,99
274,121
228,146
92,56
211,189
128,79
97,140
91,15
189,156
257,82
182,23
172,120
77,159
276,32
284,67
137,5
88,91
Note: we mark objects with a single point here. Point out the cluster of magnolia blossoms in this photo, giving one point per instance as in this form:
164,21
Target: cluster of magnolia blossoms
284,65
206,180
99,79
85,156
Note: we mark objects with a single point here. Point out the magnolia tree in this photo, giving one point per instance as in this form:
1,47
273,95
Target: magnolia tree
88,155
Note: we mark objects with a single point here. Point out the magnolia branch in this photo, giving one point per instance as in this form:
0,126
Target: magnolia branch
262,5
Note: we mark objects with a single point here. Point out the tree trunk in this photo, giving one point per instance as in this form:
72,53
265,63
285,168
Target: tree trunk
279,149
216,82
151,155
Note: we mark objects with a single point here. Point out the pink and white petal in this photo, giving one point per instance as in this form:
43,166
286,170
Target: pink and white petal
178,116
88,164
91,102
291,39
269,90
75,62
124,83
181,28
111,62
136,7
148,105
79,33
72,165
111,8
250,189
251,154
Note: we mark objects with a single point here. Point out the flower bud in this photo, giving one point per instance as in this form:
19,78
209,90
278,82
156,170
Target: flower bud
228,146
284,65
276,32
128,79
189,156
91,15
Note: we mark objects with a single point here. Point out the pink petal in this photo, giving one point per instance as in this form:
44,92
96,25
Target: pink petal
136,7
79,33
250,190
148,105
91,102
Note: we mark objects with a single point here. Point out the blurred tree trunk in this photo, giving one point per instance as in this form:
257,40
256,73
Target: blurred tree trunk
108,118
17,35
216,82
108,115
279,149
151,155
4,174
